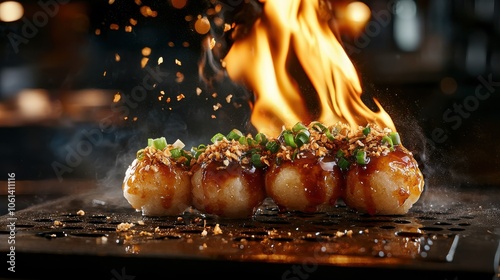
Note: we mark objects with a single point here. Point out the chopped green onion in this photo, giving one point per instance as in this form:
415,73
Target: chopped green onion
289,141
366,130
140,154
234,134
361,157
329,135
256,160
294,155
302,137
251,141
158,143
319,126
150,142
261,138
175,153
298,127
388,140
343,163
273,146
243,140
396,140
217,137
340,154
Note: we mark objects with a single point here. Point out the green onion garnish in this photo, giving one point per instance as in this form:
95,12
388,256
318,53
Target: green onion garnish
298,127
361,157
340,154
366,130
234,134
217,137
256,160
261,138
329,135
289,141
319,126
273,146
140,154
388,140
158,143
302,137
396,140
243,140
343,163
175,153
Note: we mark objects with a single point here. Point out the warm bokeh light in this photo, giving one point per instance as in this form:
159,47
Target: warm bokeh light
11,11
358,12
202,25
291,38
34,103
178,4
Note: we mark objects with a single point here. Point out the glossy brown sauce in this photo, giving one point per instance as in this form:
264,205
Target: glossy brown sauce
214,175
313,176
399,157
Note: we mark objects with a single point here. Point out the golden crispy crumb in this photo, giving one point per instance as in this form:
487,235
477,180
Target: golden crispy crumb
58,223
80,213
124,226
217,229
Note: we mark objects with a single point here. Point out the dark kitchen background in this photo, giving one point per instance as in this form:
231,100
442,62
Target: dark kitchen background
83,84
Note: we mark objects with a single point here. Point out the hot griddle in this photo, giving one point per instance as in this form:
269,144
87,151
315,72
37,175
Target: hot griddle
449,234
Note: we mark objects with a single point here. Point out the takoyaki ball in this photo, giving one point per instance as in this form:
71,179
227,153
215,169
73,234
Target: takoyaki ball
156,184
225,181
387,185
232,191
306,184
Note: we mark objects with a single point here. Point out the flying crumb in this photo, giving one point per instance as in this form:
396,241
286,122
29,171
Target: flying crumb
217,229
80,213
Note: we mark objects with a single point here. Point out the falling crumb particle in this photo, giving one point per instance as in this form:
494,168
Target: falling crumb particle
228,98
349,233
213,116
198,91
128,28
217,106
339,234
80,213
217,229
204,233
124,226
114,26
178,62
141,222
160,60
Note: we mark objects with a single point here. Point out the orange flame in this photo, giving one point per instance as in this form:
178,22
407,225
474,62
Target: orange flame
297,31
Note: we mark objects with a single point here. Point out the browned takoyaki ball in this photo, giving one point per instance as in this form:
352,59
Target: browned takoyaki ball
157,184
308,184
387,185
225,181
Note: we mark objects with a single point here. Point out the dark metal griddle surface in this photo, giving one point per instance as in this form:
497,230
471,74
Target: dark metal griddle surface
448,234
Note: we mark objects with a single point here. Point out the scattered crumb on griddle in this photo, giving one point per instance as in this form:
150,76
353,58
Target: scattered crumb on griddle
124,226
217,229
80,213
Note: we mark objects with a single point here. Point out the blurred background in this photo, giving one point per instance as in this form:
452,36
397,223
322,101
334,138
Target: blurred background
83,84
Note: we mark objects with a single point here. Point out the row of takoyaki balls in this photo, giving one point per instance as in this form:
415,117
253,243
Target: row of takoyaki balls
307,168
